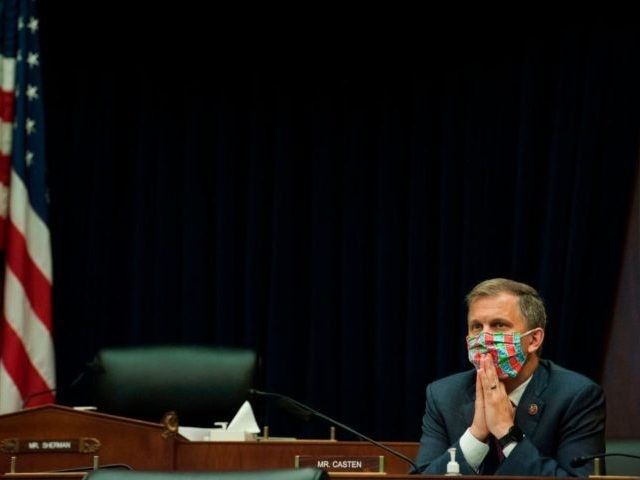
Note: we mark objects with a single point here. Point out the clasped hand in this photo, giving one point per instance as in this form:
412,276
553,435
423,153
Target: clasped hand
494,412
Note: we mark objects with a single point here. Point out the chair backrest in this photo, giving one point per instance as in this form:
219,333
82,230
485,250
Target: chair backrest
202,384
284,474
624,466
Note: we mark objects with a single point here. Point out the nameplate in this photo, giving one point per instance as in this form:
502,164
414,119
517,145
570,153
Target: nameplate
79,445
342,463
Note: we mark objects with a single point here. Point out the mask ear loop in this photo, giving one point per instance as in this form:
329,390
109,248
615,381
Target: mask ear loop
529,332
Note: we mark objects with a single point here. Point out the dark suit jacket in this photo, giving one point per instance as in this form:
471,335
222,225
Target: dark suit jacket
561,413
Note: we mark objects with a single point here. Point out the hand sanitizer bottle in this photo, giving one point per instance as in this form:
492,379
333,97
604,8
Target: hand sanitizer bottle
453,468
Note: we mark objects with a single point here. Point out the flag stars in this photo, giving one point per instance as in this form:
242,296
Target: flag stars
30,126
20,23
32,92
19,56
33,59
33,24
29,157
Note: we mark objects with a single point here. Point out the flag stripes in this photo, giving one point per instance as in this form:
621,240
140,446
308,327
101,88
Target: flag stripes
27,363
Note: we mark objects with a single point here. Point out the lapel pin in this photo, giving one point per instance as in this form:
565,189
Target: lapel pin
533,409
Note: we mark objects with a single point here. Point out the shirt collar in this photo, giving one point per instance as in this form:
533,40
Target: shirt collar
516,394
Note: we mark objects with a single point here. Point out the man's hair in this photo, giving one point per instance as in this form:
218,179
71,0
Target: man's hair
529,301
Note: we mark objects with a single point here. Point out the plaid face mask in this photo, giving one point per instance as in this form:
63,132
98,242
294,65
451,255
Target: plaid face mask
505,348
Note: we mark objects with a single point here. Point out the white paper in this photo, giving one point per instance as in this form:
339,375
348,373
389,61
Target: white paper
220,435
244,421
195,434
243,427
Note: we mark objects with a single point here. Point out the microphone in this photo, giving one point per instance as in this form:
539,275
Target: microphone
92,366
301,407
31,396
580,461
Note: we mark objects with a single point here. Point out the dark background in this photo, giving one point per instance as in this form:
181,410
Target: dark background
327,195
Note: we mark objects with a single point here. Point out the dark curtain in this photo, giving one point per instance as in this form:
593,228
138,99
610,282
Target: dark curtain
330,203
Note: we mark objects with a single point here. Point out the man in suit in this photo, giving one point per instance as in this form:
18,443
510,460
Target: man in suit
515,414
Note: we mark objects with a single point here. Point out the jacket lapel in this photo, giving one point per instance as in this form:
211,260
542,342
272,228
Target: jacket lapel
531,406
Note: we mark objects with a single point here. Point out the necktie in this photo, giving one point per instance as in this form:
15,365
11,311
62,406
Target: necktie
494,457
499,453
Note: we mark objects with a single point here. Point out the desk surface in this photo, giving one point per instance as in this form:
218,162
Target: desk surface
150,446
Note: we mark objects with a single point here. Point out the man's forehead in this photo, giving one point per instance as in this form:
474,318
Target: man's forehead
502,305
500,298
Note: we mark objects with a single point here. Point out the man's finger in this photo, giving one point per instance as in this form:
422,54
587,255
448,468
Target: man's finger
491,376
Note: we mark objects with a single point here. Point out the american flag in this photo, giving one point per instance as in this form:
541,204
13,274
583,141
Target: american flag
27,364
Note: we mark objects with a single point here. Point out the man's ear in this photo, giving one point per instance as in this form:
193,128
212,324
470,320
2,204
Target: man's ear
537,337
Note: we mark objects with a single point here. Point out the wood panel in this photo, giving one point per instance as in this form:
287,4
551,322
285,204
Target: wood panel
277,454
138,444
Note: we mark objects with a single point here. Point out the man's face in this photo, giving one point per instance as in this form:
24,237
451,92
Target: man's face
499,313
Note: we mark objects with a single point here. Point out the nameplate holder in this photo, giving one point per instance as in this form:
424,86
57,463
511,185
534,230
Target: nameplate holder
76,445
342,463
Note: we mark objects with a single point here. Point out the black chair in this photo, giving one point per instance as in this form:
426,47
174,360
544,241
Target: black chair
284,474
202,384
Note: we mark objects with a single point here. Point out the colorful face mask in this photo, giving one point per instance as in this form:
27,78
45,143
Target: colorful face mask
505,348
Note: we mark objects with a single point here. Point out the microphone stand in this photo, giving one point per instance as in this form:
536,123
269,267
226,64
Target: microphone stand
334,422
91,366
579,461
